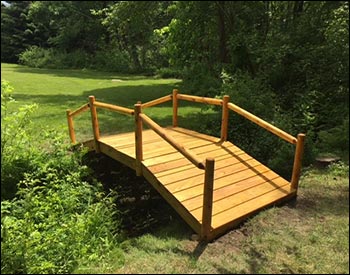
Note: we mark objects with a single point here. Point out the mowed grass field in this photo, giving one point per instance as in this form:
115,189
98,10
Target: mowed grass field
309,236
55,91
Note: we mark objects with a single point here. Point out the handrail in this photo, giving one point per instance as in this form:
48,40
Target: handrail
262,123
81,109
114,108
191,156
156,101
206,100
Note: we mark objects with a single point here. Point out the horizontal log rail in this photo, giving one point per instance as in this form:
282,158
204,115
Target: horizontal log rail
206,100
191,156
262,123
156,101
114,108
81,109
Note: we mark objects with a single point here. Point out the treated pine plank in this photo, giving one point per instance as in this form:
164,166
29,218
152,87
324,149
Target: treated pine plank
175,156
255,191
190,173
186,193
194,134
111,152
230,189
178,164
250,206
232,170
162,147
217,154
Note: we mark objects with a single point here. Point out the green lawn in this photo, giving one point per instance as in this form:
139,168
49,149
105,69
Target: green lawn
309,237
58,90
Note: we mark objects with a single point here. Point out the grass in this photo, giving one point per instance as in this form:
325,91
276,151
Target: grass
58,90
310,236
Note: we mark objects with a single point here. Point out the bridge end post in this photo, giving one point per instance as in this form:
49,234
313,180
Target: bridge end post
138,139
224,120
95,126
175,107
299,150
71,127
207,199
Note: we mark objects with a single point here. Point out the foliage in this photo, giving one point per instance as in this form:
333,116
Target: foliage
17,150
15,36
131,26
60,216
57,219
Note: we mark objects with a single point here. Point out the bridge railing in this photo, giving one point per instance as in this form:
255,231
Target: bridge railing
226,105
208,164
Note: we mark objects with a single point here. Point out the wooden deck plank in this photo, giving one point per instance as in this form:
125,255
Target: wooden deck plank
191,172
246,194
167,167
228,190
235,171
196,190
249,206
241,184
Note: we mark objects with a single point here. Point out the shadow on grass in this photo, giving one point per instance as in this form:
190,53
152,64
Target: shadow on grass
78,73
142,209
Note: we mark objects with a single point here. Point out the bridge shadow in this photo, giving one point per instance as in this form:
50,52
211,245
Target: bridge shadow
141,208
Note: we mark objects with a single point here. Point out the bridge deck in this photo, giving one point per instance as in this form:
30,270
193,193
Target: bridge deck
242,185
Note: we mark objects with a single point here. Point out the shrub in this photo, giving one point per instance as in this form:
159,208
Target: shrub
169,73
36,57
17,149
112,60
60,218
57,221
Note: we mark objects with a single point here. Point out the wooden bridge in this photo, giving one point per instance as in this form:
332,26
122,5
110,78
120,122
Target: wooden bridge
210,182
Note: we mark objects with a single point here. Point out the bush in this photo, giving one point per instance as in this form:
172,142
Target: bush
169,73
36,57
18,152
112,60
54,59
335,140
60,218
57,221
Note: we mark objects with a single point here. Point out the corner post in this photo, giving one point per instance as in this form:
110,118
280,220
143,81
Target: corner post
207,198
175,107
71,127
138,139
224,120
95,127
299,150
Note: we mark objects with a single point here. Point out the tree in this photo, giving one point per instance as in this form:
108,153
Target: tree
15,36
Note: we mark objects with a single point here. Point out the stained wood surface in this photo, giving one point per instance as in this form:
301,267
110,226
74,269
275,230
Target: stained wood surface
242,185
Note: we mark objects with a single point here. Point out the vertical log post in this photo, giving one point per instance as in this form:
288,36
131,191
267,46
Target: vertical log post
299,150
71,127
175,107
224,120
207,198
95,127
138,139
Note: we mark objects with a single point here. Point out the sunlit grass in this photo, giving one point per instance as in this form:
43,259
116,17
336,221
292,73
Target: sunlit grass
58,90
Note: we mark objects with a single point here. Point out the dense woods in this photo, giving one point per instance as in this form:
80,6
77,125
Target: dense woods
286,61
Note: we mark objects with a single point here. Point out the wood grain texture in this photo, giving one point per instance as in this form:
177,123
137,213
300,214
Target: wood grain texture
241,185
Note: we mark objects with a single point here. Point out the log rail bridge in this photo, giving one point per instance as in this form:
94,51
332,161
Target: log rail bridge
210,182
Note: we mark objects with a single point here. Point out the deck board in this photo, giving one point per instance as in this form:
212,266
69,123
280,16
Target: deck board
242,185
